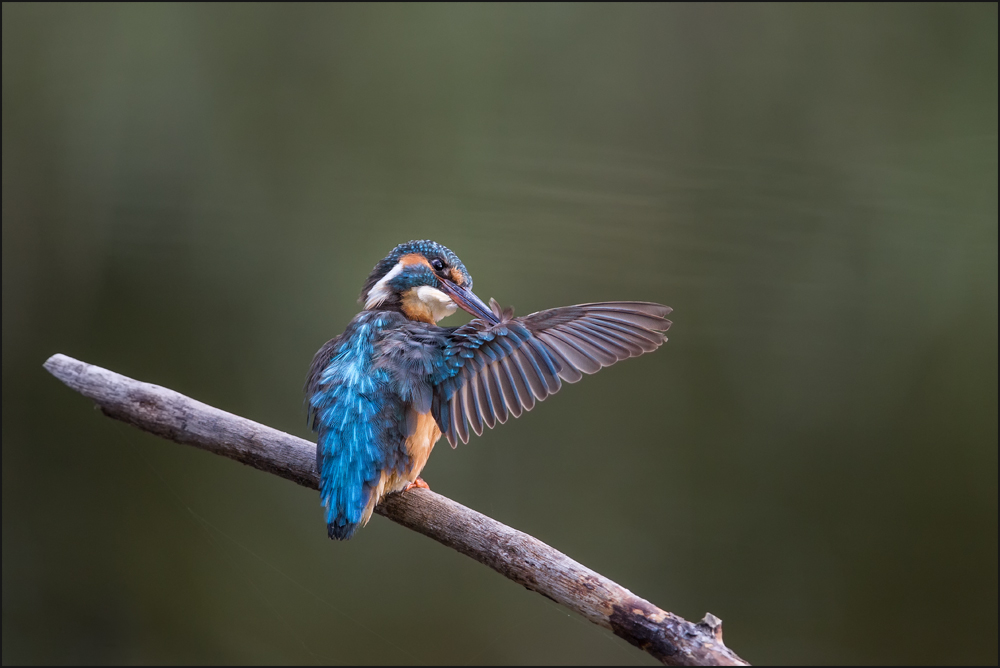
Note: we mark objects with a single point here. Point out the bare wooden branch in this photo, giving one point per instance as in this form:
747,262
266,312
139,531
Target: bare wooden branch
515,555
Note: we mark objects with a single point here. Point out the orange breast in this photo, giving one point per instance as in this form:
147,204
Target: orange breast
420,444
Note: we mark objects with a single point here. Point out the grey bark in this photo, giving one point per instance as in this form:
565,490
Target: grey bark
515,555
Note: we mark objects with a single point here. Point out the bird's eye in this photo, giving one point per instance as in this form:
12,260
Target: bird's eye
437,264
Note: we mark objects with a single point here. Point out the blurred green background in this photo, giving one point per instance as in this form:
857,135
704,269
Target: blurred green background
193,196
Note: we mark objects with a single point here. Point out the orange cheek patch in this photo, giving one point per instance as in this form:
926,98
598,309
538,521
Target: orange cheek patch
456,276
414,258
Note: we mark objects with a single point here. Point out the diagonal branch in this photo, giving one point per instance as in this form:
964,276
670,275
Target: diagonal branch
515,555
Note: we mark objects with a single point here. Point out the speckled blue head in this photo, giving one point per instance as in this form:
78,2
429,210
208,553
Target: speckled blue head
419,263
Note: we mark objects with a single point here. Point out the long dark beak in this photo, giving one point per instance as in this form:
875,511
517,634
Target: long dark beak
468,301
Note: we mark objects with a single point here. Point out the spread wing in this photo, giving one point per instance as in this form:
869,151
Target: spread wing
494,371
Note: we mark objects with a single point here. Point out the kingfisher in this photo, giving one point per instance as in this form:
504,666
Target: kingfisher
383,392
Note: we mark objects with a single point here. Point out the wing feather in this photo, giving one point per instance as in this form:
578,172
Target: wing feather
547,366
521,388
473,406
605,343
487,409
593,350
448,418
600,330
579,358
647,340
526,362
497,401
460,416
567,371
511,398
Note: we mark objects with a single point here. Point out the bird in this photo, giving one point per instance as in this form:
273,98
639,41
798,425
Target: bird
382,393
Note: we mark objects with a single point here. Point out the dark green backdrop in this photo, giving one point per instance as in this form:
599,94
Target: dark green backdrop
193,195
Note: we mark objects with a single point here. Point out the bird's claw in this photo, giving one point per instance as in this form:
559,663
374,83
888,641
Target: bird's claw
419,482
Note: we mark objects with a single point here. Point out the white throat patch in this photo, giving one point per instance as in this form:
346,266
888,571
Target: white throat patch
438,303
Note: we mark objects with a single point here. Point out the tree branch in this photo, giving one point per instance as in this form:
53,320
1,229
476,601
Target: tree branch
515,555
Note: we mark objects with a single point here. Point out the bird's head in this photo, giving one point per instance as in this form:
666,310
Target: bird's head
424,281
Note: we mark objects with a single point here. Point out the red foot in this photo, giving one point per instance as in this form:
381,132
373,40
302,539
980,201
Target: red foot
419,482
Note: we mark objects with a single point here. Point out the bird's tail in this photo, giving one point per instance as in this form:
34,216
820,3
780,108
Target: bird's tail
349,485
